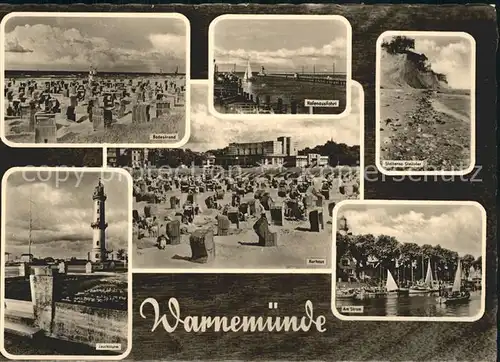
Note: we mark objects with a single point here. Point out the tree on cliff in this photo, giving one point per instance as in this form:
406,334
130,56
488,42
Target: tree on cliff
399,45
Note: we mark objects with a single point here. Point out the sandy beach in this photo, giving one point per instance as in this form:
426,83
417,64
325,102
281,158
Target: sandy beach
61,109
240,248
423,125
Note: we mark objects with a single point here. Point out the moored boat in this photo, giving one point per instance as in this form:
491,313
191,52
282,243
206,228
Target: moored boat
418,289
403,291
345,293
370,293
428,286
432,285
457,295
391,286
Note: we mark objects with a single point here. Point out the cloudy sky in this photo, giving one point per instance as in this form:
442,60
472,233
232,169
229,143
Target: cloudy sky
61,214
450,56
110,44
281,45
209,132
458,228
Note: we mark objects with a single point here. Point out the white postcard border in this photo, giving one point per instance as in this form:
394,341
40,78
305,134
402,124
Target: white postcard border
343,317
263,117
472,95
187,102
129,264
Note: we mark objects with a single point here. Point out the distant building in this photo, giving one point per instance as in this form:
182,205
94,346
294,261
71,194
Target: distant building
300,161
26,258
253,154
282,152
287,147
133,157
315,159
209,161
113,156
346,269
139,157
343,227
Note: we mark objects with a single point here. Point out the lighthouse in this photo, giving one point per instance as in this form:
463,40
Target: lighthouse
343,228
98,253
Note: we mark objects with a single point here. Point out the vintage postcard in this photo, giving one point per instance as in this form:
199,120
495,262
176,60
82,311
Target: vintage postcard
425,99
66,277
87,79
279,65
248,182
409,260
249,197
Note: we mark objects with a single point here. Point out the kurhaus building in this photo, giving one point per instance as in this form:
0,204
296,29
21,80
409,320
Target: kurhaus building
281,152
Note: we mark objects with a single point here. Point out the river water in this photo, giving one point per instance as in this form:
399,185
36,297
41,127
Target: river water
412,306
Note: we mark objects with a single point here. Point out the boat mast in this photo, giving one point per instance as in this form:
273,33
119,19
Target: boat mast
31,225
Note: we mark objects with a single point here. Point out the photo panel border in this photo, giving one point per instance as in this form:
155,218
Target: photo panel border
272,270
145,15
264,117
102,171
472,147
475,318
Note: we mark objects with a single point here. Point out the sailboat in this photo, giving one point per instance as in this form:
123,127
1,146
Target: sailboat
426,286
248,73
390,285
457,295
431,284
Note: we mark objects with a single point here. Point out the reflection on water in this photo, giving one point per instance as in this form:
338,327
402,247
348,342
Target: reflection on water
413,306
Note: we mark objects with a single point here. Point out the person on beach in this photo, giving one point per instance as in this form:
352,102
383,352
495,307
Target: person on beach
259,208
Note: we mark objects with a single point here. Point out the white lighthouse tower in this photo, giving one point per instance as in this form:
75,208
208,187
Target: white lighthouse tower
98,253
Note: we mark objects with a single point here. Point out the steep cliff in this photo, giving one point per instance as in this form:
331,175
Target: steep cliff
409,70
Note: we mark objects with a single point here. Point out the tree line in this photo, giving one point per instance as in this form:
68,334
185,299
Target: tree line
409,258
338,153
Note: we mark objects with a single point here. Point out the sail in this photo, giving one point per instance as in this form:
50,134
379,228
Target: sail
428,276
248,72
390,285
458,278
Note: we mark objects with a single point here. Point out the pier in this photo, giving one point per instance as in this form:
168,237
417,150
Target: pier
277,93
324,78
